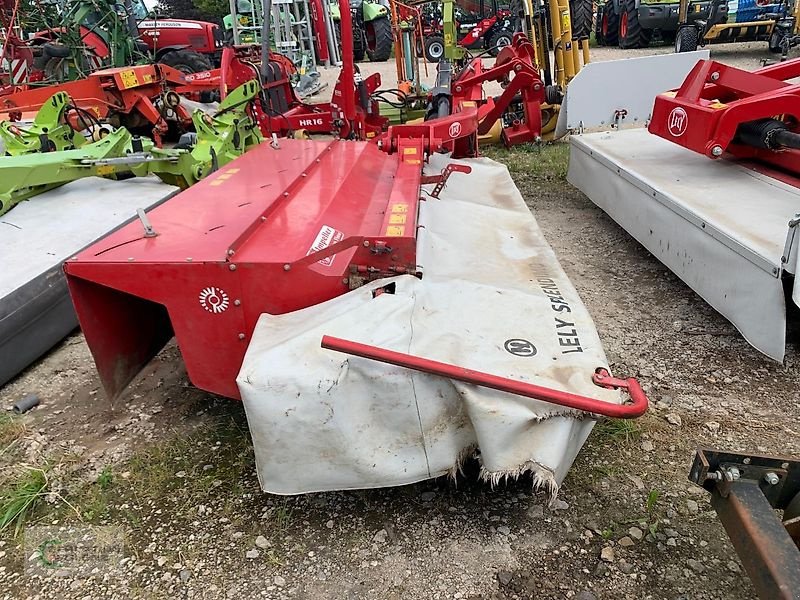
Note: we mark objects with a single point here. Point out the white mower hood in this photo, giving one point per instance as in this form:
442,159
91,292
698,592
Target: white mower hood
492,298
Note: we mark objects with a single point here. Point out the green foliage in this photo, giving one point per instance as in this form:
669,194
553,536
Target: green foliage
19,497
203,10
105,479
618,430
545,162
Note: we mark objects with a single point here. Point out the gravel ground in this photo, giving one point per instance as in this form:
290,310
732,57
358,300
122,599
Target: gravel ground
172,466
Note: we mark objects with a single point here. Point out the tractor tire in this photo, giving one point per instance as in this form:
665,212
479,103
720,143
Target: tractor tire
581,13
598,26
775,42
358,42
434,48
631,32
609,25
186,61
54,50
380,40
686,40
56,70
359,45
498,40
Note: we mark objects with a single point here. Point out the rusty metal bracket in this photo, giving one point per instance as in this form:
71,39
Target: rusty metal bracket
441,179
746,489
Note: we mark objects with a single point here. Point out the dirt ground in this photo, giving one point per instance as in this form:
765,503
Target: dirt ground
172,468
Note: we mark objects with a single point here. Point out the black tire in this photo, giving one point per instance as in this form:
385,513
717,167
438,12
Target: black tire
581,13
187,61
686,39
598,26
379,38
55,50
434,48
775,42
359,45
358,41
498,40
609,26
631,32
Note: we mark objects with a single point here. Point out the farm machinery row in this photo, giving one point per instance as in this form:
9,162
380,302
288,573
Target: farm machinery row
690,24
52,45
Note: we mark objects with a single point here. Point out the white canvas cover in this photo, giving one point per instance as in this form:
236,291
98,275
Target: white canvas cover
491,292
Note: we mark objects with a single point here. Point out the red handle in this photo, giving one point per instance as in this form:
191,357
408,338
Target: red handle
635,408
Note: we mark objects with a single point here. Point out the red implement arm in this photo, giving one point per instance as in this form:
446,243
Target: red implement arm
636,408
720,110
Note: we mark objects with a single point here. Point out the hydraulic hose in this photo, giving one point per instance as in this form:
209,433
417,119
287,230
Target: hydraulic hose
768,134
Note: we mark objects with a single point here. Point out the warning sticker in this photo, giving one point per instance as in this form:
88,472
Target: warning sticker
129,79
326,236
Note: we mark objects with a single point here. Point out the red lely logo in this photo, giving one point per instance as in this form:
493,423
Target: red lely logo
677,121
455,130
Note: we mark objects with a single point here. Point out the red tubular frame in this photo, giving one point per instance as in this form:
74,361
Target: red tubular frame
636,408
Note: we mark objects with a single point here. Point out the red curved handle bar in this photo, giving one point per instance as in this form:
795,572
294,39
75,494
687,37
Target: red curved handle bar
636,407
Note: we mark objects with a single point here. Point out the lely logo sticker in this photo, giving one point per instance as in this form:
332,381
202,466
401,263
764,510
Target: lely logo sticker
677,122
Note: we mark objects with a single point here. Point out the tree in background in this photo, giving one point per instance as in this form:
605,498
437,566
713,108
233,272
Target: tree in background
206,10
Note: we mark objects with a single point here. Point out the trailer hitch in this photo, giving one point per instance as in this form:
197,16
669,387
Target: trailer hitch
745,491
636,408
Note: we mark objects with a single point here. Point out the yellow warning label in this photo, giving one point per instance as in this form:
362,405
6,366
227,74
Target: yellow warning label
409,150
148,78
129,79
395,231
399,208
718,104
397,219
565,23
448,39
105,170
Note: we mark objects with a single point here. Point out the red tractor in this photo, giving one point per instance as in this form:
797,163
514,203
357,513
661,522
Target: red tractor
481,24
87,35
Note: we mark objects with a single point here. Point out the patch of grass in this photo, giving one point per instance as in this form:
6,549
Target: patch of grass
20,494
617,430
545,162
652,501
106,478
195,468
11,429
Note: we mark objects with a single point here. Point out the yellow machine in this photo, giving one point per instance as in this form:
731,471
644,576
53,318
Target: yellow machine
704,23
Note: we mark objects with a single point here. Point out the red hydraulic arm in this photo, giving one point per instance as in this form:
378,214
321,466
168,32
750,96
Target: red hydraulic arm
720,110
636,408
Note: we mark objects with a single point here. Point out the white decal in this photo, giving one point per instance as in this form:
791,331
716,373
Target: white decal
170,25
455,130
214,300
326,236
310,122
677,122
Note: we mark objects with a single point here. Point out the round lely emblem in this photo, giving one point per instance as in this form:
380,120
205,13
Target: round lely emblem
214,300
455,129
677,122
520,347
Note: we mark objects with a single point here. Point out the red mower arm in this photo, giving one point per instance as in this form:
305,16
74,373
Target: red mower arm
636,408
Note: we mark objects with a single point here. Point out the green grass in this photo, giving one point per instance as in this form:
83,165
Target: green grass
545,162
11,429
20,494
617,431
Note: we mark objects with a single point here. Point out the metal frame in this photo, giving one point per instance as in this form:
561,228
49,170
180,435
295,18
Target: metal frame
745,491
601,377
